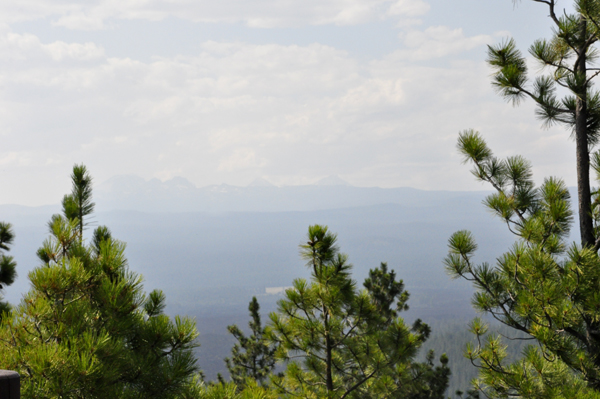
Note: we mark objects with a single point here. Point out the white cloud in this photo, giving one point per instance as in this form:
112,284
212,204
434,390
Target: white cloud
94,14
28,47
82,52
80,21
409,8
375,93
235,111
242,159
12,158
437,42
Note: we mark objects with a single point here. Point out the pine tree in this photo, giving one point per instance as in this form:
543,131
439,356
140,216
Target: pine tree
339,341
86,329
8,266
253,356
541,287
569,58
428,380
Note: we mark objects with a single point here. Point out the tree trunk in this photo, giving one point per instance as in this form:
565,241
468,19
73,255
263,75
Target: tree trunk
328,356
329,377
586,227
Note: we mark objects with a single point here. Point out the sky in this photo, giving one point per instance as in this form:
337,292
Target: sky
228,91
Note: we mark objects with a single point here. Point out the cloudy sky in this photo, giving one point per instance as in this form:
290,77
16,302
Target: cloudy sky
228,91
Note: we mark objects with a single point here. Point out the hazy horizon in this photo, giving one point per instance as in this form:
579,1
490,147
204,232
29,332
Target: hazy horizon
372,91
103,187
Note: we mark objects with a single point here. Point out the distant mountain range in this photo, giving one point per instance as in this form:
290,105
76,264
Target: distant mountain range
129,192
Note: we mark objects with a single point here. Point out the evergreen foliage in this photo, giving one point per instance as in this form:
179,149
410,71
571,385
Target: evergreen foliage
385,290
253,356
428,380
541,286
8,266
569,58
251,390
78,205
451,337
342,342
86,329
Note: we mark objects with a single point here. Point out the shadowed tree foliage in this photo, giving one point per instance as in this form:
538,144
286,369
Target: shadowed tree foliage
427,380
8,266
252,356
386,292
86,329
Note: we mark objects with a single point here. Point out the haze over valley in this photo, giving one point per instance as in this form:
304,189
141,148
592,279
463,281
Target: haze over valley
211,249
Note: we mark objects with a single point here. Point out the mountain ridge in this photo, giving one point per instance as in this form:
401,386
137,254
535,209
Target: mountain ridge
128,192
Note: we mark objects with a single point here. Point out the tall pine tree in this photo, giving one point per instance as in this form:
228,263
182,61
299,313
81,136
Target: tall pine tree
86,329
568,60
542,286
342,342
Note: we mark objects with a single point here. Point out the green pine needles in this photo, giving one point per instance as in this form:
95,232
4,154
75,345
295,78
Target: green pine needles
341,342
78,205
8,266
86,329
543,286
